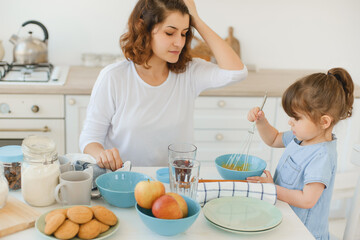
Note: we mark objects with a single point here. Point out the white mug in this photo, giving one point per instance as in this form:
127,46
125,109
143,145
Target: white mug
74,188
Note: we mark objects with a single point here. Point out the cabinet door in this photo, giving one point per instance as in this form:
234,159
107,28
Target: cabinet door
18,129
281,124
221,127
75,113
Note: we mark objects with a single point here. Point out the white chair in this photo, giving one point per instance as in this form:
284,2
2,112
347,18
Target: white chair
352,223
347,186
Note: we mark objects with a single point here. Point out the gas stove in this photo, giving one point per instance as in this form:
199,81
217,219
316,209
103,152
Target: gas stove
36,74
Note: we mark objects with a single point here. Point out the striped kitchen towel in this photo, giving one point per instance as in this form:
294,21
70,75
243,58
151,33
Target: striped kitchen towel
211,190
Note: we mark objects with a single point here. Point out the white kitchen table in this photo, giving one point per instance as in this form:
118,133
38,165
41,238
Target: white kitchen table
131,226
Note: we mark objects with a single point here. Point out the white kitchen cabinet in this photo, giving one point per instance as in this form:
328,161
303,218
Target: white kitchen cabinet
221,127
22,115
75,113
32,106
18,129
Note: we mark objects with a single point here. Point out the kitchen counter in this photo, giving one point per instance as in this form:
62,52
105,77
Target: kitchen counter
81,80
131,226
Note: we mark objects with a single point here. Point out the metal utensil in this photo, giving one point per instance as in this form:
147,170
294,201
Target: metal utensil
234,158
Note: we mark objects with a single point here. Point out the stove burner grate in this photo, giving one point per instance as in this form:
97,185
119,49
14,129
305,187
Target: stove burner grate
14,72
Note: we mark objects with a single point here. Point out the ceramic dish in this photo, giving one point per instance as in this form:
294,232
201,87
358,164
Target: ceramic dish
242,214
117,188
40,226
170,227
241,232
256,167
162,175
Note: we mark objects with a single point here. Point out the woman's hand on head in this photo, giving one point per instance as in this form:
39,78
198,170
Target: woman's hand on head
255,115
267,179
110,159
192,8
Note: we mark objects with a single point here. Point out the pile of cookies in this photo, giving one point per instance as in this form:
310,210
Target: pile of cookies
85,222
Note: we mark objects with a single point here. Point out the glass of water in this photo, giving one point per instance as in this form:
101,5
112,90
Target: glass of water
183,169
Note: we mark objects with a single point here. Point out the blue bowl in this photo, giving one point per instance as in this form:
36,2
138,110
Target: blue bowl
170,227
163,175
117,188
256,167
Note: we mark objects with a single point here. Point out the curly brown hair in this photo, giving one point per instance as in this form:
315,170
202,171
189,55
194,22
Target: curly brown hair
321,94
136,43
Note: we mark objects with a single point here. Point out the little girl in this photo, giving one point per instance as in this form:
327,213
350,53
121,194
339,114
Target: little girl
305,174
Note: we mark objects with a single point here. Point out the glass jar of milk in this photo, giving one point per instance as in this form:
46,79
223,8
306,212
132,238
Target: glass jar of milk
39,171
4,187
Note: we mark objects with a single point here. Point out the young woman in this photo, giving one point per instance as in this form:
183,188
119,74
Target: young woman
140,106
306,171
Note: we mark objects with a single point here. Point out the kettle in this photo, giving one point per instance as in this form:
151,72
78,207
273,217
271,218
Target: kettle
30,50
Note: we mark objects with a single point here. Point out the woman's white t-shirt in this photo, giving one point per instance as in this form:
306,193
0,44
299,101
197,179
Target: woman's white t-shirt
141,120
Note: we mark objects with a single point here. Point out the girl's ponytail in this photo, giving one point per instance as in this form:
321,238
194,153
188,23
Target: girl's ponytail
348,86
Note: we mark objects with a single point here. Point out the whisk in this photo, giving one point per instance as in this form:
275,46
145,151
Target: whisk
234,158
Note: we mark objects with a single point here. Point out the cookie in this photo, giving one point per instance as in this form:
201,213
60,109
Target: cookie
54,223
104,227
79,214
53,212
89,230
105,216
67,230
93,208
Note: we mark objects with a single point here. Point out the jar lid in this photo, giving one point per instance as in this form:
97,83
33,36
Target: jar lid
38,144
11,153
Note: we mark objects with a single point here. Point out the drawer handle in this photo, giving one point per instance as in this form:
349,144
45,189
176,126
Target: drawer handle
44,129
72,101
221,103
219,137
35,108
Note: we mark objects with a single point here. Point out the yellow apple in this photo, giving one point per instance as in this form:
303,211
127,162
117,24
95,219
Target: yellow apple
166,207
181,201
146,192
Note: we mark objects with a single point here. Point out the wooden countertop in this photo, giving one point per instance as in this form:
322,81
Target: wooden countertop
81,80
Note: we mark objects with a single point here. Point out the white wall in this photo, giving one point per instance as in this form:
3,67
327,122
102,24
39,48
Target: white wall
306,34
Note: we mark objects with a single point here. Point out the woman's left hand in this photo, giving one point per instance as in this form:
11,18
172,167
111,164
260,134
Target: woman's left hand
225,56
192,8
267,179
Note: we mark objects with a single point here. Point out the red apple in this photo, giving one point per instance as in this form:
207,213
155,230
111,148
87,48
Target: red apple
181,201
146,192
166,207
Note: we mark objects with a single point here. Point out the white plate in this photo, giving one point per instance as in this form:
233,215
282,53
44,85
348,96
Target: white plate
242,214
241,232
